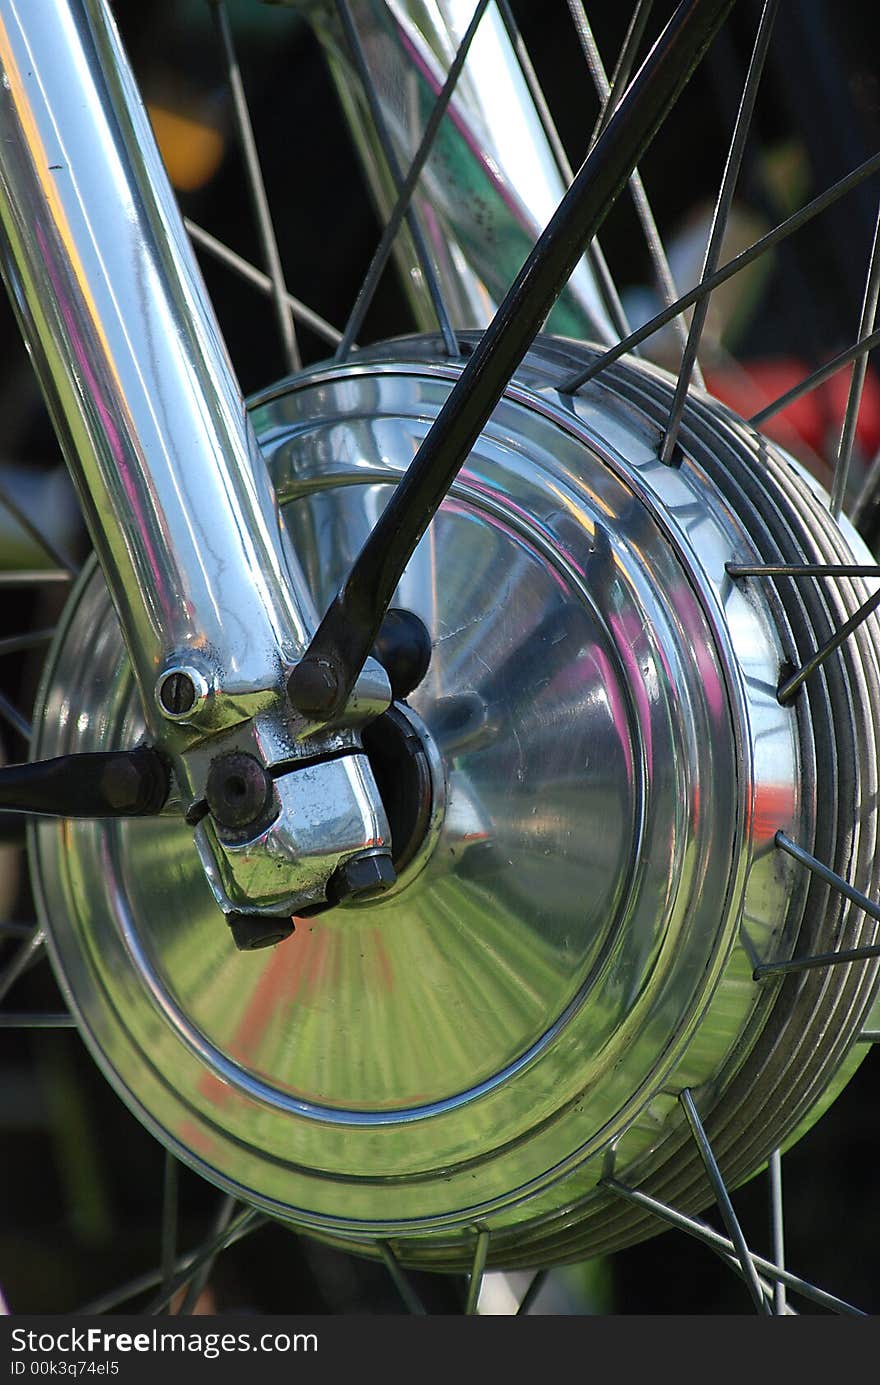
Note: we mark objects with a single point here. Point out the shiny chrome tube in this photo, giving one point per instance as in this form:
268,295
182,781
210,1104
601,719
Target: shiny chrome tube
130,358
491,182
213,605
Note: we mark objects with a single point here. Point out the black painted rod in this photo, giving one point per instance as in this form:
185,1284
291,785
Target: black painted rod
321,683
94,784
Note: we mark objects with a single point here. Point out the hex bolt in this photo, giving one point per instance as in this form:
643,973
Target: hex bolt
180,692
361,877
136,782
238,790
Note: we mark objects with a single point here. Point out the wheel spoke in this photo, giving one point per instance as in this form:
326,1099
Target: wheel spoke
349,628
168,1241
609,103
777,1226
803,570
40,539
415,230
478,1269
531,1293
867,493
624,65
703,1232
257,189
595,258
830,877
821,959
114,1297
14,644
10,929
816,378
36,577
14,717
37,1019
791,685
722,1197
720,217
733,267
251,275
242,1226
733,1264
203,1274
401,208
30,951
402,1284
856,384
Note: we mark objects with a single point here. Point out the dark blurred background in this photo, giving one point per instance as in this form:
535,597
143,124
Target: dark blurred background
80,1195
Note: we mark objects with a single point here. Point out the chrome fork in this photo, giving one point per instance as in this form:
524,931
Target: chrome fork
212,601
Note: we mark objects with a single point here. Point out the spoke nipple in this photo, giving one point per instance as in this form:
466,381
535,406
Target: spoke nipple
313,687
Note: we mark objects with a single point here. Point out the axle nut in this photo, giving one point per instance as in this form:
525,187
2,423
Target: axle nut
361,877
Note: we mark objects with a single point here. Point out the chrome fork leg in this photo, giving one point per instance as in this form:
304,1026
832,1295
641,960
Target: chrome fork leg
213,604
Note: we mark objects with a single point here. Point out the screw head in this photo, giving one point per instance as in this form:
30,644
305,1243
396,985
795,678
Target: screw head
177,693
181,691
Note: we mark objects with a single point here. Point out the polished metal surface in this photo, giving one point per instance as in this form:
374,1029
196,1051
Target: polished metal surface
174,491
491,182
326,813
575,942
155,429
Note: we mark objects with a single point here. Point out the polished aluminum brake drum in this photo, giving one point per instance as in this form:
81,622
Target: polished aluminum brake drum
605,812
